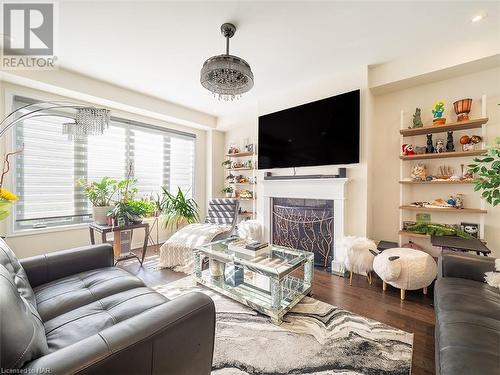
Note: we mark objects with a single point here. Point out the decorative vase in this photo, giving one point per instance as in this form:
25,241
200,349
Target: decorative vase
216,268
100,214
229,195
439,121
462,109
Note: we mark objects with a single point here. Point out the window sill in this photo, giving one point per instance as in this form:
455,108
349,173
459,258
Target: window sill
62,228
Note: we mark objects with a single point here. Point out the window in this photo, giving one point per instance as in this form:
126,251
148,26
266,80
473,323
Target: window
45,173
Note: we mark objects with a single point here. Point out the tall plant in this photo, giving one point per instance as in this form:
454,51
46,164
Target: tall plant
487,169
178,210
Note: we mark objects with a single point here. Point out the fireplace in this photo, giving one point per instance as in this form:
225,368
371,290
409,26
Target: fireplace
305,224
293,210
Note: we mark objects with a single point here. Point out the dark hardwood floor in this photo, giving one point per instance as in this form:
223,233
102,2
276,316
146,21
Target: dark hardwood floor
415,314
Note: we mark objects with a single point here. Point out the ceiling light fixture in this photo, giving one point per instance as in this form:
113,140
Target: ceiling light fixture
226,76
478,17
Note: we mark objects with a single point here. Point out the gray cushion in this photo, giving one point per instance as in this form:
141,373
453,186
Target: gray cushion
23,335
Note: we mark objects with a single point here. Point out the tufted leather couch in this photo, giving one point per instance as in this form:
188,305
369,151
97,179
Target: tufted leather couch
73,312
467,311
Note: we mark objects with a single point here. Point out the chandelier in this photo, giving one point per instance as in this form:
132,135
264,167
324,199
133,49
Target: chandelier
88,121
226,76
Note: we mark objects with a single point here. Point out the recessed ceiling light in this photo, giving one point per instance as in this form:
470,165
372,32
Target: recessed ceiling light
479,17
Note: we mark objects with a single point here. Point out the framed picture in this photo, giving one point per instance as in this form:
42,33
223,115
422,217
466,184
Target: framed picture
423,218
249,147
470,228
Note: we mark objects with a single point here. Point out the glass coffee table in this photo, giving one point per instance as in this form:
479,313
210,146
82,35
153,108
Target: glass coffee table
263,283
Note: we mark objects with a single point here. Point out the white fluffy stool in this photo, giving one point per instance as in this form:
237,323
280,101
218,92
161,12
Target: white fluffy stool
358,256
406,269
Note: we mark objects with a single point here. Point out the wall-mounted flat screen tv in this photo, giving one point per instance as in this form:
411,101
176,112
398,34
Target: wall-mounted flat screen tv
325,132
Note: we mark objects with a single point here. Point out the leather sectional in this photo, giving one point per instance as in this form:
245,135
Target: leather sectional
74,312
467,311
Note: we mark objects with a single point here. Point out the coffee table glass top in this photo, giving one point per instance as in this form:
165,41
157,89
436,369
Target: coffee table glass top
278,261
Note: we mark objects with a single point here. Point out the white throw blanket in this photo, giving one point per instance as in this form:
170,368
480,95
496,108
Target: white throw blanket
177,251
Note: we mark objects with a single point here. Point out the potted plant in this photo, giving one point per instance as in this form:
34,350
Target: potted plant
126,211
228,190
100,194
178,210
132,211
487,168
226,164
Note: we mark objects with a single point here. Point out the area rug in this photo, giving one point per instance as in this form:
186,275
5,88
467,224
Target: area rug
315,338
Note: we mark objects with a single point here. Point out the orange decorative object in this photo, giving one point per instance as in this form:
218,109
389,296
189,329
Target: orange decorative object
462,109
465,139
439,121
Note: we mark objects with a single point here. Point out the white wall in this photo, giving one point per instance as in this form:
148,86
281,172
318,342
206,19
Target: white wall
386,150
46,240
244,125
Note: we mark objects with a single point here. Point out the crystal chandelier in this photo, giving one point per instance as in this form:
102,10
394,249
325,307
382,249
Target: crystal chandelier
225,75
88,121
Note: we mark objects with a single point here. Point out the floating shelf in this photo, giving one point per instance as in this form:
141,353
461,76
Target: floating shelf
471,124
246,199
240,154
241,183
444,209
442,155
239,169
411,234
433,182
246,213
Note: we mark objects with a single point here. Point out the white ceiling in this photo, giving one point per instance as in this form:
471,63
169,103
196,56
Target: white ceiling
158,48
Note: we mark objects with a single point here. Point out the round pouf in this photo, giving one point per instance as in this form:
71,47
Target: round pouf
406,269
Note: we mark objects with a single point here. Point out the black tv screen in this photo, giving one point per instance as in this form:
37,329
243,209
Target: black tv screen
324,132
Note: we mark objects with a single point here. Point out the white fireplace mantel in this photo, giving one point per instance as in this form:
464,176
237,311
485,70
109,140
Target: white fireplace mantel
317,188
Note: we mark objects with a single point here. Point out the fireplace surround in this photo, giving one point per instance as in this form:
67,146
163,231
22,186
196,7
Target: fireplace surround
324,189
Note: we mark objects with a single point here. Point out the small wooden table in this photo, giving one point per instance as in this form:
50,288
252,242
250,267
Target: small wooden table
460,244
105,229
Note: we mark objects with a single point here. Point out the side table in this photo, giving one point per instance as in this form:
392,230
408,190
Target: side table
116,230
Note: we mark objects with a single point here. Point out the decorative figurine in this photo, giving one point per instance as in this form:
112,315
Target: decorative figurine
440,146
408,149
430,147
429,178
476,139
466,175
445,172
451,201
449,142
418,172
470,228
420,149
459,201
469,142
437,112
417,121
462,109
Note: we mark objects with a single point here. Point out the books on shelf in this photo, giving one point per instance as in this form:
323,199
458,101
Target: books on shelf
250,247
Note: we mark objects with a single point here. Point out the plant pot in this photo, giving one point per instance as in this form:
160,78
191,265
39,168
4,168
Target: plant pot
100,214
229,195
462,108
439,121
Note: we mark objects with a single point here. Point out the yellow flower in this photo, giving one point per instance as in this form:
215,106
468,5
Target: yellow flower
7,195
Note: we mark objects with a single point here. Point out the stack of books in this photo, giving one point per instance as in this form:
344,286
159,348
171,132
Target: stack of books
250,247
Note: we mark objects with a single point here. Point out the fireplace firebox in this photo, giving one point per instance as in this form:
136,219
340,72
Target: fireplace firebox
306,224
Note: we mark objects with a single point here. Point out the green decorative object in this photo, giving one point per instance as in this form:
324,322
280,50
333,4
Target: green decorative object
486,167
438,230
417,120
438,110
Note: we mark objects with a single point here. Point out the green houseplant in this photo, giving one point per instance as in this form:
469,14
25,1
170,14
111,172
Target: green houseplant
178,210
487,169
100,194
228,190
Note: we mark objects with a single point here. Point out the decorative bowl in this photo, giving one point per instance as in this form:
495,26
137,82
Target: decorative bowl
462,109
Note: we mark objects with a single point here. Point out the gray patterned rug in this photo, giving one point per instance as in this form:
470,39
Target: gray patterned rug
315,338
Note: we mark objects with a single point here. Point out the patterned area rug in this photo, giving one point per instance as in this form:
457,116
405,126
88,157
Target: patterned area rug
315,338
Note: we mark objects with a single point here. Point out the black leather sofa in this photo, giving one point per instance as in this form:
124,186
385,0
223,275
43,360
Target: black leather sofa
467,311
73,312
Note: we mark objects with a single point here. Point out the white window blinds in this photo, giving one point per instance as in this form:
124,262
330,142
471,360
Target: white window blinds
45,173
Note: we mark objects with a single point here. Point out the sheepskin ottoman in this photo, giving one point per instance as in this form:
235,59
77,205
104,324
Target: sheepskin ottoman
358,256
406,269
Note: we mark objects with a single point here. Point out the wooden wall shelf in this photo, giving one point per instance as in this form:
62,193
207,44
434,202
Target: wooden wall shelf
444,209
240,154
239,169
411,234
442,155
434,182
471,124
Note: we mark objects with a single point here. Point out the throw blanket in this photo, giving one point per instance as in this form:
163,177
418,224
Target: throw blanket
177,251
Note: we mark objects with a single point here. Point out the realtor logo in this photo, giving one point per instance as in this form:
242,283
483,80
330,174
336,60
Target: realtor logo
28,36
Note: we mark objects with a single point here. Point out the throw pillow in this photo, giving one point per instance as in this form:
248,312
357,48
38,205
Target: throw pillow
493,278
